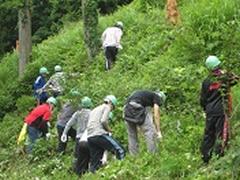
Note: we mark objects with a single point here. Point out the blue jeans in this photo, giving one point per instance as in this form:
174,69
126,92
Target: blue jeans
98,144
33,135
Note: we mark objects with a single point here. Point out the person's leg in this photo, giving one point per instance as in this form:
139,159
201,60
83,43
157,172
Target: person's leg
96,153
82,158
110,144
107,58
72,133
209,139
220,120
132,138
33,135
61,145
150,132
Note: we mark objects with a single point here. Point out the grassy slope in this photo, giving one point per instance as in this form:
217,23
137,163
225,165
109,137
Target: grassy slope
155,56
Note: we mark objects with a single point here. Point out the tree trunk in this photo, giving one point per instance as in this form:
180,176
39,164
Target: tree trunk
90,22
25,36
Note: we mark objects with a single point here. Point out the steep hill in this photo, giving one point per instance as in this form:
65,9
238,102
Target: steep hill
155,56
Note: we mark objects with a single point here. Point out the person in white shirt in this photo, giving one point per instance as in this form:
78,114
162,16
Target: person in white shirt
111,43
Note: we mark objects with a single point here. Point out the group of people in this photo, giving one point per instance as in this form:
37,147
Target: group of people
93,137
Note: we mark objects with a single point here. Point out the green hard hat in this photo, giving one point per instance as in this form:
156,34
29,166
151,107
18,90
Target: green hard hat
112,99
212,62
86,102
75,92
43,70
119,24
57,68
162,95
110,115
52,100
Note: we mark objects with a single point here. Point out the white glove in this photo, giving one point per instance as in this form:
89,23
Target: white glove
104,158
159,136
64,138
48,135
48,124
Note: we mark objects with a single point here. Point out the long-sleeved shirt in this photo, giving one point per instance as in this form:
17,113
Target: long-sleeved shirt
81,118
111,37
55,82
38,84
66,114
98,121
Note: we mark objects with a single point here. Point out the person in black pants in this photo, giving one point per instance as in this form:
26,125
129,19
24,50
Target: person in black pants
215,103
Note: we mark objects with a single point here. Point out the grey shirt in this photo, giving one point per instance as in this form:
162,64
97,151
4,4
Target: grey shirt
81,118
98,121
66,114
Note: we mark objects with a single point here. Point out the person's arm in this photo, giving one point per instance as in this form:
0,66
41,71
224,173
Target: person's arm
203,99
118,38
47,84
104,119
156,116
103,36
70,122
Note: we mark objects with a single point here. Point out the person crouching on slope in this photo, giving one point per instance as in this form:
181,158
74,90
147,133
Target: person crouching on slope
137,111
215,103
98,134
38,120
80,117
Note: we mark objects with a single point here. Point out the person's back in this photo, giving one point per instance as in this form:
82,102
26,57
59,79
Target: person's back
111,37
97,118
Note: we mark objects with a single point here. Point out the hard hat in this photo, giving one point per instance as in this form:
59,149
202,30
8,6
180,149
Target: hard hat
119,24
212,62
52,100
43,70
86,102
57,68
75,92
162,95
112,99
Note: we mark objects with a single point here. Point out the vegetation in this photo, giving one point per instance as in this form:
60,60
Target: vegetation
156,55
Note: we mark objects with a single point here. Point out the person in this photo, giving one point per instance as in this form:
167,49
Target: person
38,84
80,117
98,134
137,112
68,110
55,83
214,101
111,43
38,121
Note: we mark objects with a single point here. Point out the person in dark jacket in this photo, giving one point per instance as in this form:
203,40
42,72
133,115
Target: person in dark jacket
138,112
37,121
215,103
38,84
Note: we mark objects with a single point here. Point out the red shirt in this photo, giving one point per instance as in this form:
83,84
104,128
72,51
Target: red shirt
43,111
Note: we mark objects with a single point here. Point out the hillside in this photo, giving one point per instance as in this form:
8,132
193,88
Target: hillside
155,55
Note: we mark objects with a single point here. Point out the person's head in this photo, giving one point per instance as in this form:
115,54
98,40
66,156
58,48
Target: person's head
212,63
119,24
162,96
43,71
57,68
86,102
112,100
52,102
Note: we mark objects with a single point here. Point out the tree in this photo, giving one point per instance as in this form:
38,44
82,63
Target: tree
25,35
90,22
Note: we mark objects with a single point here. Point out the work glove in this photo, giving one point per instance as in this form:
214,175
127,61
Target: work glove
64,138
159,136
104,158
39,91
48,135
48,124
204,115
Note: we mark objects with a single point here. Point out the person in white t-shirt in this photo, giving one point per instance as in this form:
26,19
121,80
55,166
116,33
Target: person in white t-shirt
111,43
